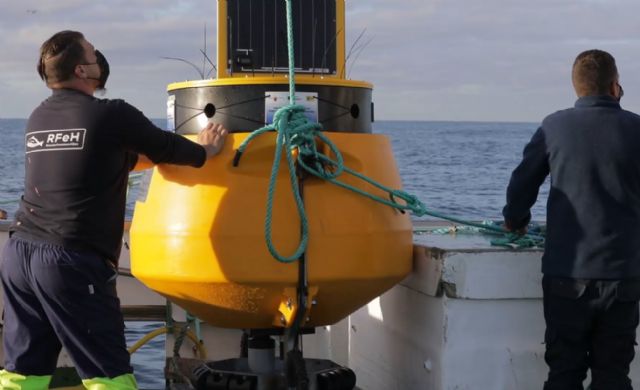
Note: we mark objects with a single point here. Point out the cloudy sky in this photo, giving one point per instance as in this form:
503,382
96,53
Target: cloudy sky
488,60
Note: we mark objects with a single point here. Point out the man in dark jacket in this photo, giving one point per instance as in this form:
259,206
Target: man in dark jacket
591,262
59,265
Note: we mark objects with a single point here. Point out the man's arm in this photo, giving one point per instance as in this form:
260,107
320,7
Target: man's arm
525,183
140,136
211,138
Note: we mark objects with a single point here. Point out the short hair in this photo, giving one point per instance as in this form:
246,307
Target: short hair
59,56
593,73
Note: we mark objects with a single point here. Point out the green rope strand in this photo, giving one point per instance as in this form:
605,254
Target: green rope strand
292,67
534,238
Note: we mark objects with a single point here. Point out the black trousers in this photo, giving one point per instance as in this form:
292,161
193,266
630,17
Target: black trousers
591,324
56,297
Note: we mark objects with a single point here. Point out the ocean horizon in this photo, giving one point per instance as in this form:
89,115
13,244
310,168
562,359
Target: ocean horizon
459,168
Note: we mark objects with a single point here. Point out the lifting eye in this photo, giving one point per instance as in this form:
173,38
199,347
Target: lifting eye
210,110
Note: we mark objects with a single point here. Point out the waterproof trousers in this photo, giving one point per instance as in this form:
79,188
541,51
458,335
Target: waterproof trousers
591,324
55,297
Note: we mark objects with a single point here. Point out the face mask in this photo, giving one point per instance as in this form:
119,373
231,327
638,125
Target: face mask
104,69
102,63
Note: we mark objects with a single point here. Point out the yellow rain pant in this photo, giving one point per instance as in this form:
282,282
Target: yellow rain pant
13,381
122,382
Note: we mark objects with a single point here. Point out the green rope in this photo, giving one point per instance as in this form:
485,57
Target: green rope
509,239
517,241
533,238
296,134
293,132
292,72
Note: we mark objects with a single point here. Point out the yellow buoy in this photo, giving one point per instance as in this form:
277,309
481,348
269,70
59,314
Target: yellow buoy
198,238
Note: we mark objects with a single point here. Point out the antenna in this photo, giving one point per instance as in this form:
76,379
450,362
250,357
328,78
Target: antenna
205,58
205,48
213,66
344,66
360,50
186,62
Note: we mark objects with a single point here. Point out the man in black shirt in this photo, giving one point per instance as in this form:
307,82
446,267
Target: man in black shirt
59,266
591,262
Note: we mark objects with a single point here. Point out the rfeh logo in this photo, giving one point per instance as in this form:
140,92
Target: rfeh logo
49,140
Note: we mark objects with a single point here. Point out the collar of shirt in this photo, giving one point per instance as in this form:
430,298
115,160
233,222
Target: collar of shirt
597,101
67,92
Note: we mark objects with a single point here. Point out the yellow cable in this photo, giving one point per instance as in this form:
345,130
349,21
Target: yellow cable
202,352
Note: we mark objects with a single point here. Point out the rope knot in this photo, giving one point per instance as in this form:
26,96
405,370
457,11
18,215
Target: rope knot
411,202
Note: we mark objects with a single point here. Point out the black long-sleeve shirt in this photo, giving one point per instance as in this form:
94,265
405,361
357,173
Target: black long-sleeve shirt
79,151
592,152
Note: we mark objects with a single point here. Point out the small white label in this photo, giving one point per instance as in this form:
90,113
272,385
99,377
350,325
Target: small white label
273,101
171,113
49,140
91,290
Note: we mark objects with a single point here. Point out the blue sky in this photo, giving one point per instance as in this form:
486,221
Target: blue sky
489,60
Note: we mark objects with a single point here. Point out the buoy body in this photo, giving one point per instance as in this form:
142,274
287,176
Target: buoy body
199,238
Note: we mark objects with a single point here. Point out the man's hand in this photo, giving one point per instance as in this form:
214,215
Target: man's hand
521,232
212,138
